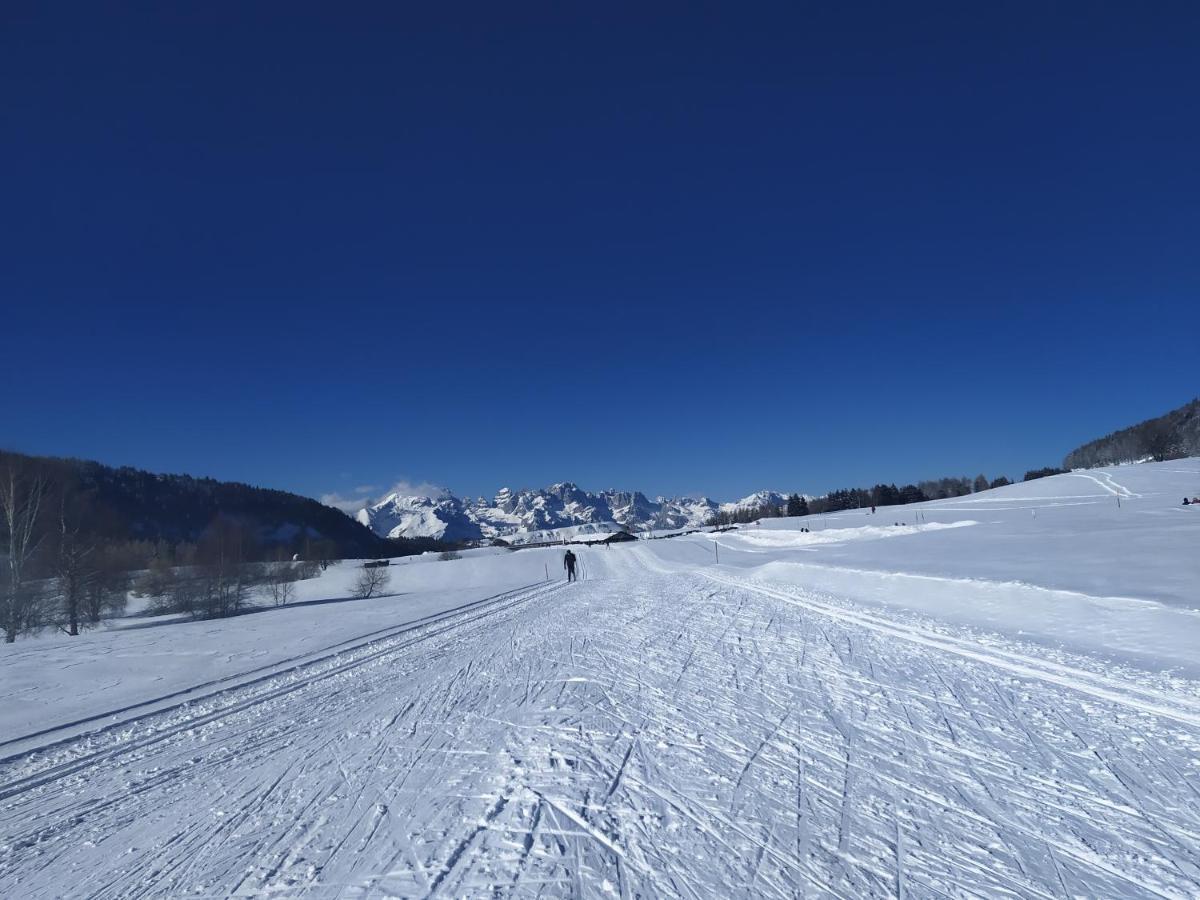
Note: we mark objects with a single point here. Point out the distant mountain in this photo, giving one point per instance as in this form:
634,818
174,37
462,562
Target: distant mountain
1170,436
451,518
127,504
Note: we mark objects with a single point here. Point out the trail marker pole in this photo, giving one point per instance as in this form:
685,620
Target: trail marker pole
546,566
717,552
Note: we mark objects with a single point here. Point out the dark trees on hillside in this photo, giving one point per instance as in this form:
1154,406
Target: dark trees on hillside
72,535
885,495
22,517
863,498
1169,436
1034,474
1161,443
131,505
723,517
945,488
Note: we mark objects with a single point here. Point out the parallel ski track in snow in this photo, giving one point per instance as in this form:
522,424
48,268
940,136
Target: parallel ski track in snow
1180,709
120,716
1106,481
278,683
648,735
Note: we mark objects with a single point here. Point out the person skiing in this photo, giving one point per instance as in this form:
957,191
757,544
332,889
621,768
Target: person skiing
569,565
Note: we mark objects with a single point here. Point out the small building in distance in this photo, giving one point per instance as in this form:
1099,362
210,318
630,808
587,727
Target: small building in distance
615,537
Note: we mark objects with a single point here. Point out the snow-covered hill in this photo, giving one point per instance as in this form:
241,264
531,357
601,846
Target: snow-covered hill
988,696
560,505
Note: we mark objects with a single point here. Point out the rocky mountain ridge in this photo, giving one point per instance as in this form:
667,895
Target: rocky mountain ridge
451,518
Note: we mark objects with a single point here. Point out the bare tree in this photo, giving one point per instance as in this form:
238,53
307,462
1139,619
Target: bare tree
72,561
158,584
108,587
371,581
281,578
224,573
21,491
324,552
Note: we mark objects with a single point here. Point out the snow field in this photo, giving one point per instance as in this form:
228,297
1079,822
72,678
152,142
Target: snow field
1005,705
54,680
683,736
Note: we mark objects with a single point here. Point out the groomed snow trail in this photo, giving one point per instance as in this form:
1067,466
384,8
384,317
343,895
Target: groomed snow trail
648,735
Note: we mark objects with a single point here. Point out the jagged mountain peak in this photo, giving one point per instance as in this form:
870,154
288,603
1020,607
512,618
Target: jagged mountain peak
559,505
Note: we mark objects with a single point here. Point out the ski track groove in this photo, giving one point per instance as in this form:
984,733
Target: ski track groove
664,735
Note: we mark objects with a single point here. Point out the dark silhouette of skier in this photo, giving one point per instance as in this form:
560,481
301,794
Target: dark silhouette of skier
569,565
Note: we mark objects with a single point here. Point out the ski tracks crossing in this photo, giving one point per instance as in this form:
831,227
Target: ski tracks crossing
658,735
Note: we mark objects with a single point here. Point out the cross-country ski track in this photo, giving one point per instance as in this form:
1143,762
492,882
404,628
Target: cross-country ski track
642,733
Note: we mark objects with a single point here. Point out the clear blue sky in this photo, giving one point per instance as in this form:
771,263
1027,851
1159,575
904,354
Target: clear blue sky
671,247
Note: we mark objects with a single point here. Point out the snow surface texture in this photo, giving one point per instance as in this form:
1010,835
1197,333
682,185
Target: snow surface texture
558,506
805,718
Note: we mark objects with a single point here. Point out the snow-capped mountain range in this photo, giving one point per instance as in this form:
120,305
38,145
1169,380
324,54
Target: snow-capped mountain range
558,506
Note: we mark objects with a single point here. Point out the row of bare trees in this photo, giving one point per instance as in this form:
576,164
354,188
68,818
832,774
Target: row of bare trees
58,570
21,498
53,573
220,585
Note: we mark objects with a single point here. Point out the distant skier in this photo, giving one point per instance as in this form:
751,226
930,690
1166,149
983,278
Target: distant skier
569,565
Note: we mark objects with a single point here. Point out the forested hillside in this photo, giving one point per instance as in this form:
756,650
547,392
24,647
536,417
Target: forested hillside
74,535
134,505
127,504
1169,436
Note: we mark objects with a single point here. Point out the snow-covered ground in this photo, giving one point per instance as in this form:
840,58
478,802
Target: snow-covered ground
56,680
979,702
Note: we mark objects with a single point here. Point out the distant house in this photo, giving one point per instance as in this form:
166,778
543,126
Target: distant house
615,537
376,564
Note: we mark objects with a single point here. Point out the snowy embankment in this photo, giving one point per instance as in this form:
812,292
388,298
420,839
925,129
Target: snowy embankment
1103,561
936,708
56,680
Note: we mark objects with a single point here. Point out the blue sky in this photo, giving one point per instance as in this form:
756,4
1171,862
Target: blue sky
673,247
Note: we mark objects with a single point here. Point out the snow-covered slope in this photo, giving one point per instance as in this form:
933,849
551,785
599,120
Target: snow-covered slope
995,695
560,505
755,501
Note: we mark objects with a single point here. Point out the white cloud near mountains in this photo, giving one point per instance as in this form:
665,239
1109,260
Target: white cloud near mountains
369,494
347,503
